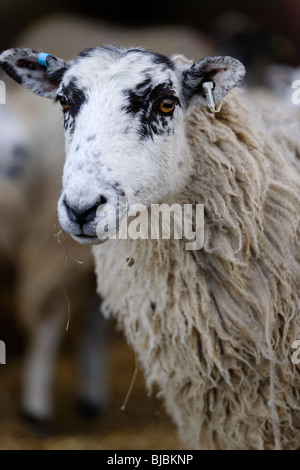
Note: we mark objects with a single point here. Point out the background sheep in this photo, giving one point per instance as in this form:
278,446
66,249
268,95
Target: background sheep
217,341
45,265
14,152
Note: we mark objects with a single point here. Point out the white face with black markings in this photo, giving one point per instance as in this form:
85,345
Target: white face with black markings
124,114
124,131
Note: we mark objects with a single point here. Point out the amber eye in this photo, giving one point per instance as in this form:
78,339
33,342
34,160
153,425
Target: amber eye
64,102
167,105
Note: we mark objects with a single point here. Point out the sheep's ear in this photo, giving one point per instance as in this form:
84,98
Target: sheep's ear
39,72
224,73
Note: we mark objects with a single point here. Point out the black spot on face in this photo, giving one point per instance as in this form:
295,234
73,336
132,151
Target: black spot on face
144,84
144,100
97,154
91,138
117,187
88,52
74,97
147,71
93,51
163,60
55,77
69,123
139,50
157,59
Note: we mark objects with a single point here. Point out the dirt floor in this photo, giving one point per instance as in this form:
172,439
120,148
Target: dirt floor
142,426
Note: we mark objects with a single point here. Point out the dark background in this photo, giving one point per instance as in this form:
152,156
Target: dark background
269,27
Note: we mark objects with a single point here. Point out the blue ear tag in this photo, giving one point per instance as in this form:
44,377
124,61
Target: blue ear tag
42,59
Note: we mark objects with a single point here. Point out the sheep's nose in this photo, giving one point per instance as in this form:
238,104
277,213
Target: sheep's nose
85,215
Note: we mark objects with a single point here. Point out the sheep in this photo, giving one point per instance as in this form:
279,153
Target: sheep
14,150
284,81
280,88
44,169
29,187
212,328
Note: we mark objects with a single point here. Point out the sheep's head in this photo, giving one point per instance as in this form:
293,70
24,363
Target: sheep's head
124,114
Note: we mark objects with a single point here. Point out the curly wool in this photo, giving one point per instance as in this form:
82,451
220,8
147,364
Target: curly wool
213,328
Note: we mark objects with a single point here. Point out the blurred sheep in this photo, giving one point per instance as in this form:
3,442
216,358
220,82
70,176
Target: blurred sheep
29,187
280,88
14,151
280,79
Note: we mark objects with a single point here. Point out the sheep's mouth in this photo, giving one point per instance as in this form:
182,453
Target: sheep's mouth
86,239
82,235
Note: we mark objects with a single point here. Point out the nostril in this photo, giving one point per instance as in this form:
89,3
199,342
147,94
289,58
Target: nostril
103,200
72,213
83,215
89,214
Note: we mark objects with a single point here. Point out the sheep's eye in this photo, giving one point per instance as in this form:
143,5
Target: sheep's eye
167,105
64,102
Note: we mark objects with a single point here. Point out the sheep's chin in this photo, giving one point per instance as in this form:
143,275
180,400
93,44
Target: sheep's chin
87,240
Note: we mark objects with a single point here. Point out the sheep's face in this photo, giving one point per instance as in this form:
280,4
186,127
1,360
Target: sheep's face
124,129
124,113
